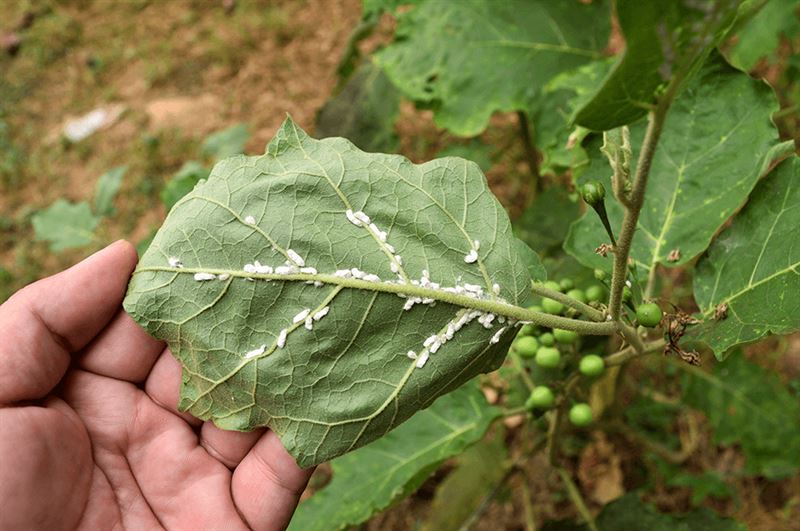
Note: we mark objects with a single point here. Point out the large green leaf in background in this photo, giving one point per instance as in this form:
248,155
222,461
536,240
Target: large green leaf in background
664,40
753,267
348,380
106,190
747,406
65,224
371,478
760,36
716,139
364,111
471,58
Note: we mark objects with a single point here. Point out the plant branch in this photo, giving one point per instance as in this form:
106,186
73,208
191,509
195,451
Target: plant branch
575,495
627,354
585,309
526,378
530,152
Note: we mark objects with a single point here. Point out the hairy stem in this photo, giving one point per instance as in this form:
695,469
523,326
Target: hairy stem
585,309
627,354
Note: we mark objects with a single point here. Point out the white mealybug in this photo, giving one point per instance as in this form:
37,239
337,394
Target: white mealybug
351,217
322,313
309,323
204,276
471,257
344,273
282,338
628,283
496,336
317,284
362,217
174,262
224,276
430,341
301,316
496,288
382,236
399,259
250,220
476,245
390,248
411,354
296,258
249,268
474,288
422,360
257,352
393,266
263,269
285,270
308,270
357,273
374,228
435,346
370,277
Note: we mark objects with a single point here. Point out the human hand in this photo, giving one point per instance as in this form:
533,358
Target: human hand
90,436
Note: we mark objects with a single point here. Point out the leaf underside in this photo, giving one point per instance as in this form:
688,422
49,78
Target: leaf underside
328,385
709,158
753,267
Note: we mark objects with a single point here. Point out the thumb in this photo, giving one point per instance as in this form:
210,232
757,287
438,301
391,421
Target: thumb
44,322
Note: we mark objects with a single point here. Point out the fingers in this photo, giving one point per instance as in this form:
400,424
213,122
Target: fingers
123,350
267,484
228,447
58,315
163,386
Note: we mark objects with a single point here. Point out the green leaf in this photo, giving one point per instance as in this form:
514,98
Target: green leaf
704,485
630,513
753,267
474,150
373,477
761,35
663,41
347,381
225,143
364,111
107,187
65,225
191,173
709,158
471,58
748,407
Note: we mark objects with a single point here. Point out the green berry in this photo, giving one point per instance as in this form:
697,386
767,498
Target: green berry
593,192
595,293
541,397
528,330
626,294
649,314
577,294
600,274
526,346
548,357
566,284
547,339
592,365
551,306
580,415
565,336
553,285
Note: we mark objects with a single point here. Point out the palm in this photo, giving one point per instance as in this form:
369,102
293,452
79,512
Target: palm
106,448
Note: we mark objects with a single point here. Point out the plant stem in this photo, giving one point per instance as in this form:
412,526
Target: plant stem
627,354
530,152
585,309
575,495
527,507
518,365
514,411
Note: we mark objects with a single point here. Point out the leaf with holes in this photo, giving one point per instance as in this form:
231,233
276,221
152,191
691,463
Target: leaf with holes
471,58
710,156
751,273
664,41
329,293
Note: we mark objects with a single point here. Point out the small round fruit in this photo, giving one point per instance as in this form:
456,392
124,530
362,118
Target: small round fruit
577,294
540,398
595,293
548,357
600,274
580,415
649,314
566,284
593,192
565,336
551,306
626,294
526,346
553,285
547,339
592,365
528,330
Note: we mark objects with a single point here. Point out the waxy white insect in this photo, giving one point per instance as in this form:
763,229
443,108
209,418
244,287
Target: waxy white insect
318,284
362,217
343,273
286,270
430,341
301,316
394,267
352,218
296,258
223,276
496,288
496,336
390,248
357,273
322,313
256,352
471,257
204,276
411,354
250,220
309,324
308,270
476,245
282,338
370,277
422,360
174,262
